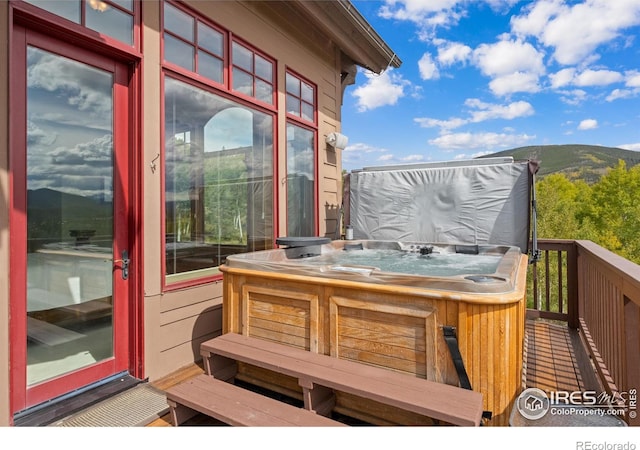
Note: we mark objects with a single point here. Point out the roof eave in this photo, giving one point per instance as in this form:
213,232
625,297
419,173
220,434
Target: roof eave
344,24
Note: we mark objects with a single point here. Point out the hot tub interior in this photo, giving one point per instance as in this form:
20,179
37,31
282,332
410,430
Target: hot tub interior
438,266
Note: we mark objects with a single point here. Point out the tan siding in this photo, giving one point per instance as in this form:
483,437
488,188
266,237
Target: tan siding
175,325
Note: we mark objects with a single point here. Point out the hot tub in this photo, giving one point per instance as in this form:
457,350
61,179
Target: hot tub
385,303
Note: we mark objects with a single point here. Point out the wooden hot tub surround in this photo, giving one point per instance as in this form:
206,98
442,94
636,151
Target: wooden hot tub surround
391,326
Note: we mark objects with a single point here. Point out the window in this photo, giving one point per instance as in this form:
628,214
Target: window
301,157
252,74
114,18
301,164
218,180
300,98
193,44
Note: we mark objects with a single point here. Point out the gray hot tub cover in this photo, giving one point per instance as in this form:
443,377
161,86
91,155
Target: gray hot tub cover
484,201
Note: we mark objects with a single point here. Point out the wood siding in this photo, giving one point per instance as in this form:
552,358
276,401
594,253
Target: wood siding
394,327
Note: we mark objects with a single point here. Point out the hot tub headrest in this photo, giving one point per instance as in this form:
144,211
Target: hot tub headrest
294,241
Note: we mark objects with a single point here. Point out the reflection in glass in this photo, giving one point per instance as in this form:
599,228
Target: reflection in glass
69,9
264,69
210,39
110,21
218,180
178,52
69,215
264,91
210,67
242,82
300,181
242,57
178,22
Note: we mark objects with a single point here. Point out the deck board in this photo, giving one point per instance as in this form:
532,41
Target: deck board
552,363
551,359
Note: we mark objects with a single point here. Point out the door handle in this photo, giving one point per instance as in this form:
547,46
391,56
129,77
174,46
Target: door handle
125,264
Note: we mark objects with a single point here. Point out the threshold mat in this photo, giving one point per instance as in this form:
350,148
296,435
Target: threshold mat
135,407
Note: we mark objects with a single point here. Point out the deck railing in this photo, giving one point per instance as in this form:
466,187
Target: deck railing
598,293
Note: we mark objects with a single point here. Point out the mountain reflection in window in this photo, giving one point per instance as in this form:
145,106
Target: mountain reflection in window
69,151
218,180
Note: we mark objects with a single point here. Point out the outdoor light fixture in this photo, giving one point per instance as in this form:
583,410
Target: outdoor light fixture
337,140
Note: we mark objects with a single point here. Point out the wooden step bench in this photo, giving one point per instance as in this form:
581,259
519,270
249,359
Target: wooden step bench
320,376
236,406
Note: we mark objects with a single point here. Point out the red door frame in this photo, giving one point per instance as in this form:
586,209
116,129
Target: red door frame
127,352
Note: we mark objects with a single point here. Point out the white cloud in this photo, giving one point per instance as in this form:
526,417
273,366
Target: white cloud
508,56
632,78
412,158
588,124
573,97
538,14
358,154
634,147
427,13
562,78
479,112
485,141
513,65
576,31
506,85
380,90
597,78
618,94
361,147
428,69
426,122
453,52
487,111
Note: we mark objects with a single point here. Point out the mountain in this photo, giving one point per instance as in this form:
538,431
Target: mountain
587,162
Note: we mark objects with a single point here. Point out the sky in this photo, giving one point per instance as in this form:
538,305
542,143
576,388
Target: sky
482,76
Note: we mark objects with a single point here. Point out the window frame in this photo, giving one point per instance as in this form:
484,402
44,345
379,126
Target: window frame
167,284
49,19
254,52
301,122
197,18
299,118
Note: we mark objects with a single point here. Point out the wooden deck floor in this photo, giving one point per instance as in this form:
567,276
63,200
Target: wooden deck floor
551,357
553,362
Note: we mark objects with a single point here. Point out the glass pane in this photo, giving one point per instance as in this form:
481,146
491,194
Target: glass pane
307,93
178,22
210,67
264,69
218,180
69,9
242,82
210,39
307,112
293,85
178,52
69,215
300,182
127,4
242,57
264,91
110,21
293,105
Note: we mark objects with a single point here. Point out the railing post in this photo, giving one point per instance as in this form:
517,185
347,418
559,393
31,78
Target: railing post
573,320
